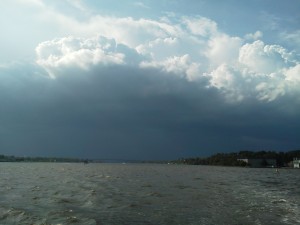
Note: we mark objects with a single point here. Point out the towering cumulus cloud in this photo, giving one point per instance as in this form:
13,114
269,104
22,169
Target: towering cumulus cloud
193,48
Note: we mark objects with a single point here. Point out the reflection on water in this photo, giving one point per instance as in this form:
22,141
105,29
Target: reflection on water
59,193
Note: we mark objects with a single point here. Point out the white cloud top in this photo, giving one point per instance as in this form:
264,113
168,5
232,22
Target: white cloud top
191,48
69,52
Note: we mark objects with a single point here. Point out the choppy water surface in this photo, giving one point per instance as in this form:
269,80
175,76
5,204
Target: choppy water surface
117,194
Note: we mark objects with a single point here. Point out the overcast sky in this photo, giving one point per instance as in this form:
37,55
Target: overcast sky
148,79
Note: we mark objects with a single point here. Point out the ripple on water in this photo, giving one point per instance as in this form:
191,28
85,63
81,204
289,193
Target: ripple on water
146,194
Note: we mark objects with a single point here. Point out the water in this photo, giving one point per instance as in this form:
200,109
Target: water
128,194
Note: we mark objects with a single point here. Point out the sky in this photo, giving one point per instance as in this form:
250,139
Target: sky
148,80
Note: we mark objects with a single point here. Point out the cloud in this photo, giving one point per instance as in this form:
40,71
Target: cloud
134,113
78,53
193,48
180,65
292,38
201,26
261,71
266,59
147,88
190,47
293,74
78,4
107,112
254,36
223,49
272,66
229,81
141,5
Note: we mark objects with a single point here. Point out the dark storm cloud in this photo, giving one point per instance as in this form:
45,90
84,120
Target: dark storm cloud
129,113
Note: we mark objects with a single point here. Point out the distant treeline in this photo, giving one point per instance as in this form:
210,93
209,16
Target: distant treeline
4,158
231,159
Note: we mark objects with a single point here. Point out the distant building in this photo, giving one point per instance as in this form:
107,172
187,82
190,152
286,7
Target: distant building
258,163
296,163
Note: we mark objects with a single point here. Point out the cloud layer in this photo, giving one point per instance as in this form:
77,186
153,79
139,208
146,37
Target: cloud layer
129,113
138,88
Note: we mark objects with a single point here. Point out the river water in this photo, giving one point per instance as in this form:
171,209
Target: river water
128,194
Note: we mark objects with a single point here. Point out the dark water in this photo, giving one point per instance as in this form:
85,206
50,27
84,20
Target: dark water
53,193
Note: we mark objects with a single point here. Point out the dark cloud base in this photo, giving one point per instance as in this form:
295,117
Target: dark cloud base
128,113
